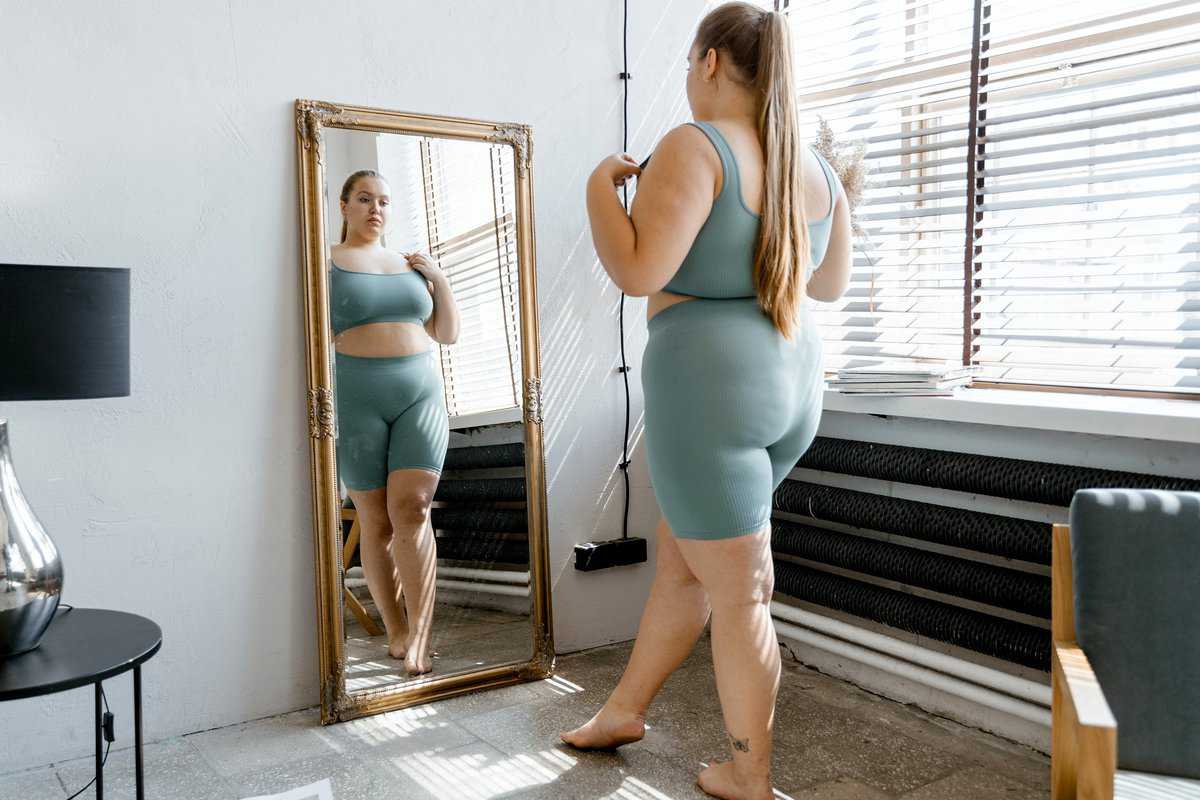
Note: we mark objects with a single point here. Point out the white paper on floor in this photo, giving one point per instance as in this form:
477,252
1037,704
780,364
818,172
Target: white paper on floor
321,790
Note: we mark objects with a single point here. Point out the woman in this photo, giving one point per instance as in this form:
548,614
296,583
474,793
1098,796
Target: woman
720,243
392,423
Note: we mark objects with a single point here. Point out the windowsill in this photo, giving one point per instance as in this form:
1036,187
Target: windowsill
483,418
1144,418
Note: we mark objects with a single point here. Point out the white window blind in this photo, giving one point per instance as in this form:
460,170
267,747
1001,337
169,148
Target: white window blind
1085,265
1078,165
895,75
469,205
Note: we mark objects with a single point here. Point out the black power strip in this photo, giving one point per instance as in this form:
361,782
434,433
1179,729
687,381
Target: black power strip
591,556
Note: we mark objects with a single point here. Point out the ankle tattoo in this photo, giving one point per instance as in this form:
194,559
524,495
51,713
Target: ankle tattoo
741,745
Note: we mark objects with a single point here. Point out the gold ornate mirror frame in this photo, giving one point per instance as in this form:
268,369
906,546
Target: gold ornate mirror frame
336,703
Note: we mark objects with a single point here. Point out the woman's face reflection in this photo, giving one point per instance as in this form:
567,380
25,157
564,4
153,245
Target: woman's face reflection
366,212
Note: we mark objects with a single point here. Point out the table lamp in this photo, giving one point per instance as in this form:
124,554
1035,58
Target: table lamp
64,335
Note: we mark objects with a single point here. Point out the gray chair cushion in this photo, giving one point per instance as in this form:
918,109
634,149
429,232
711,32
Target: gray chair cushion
1136,562
1143,786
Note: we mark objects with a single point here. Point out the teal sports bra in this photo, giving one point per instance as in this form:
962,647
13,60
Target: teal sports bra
360,298
720,263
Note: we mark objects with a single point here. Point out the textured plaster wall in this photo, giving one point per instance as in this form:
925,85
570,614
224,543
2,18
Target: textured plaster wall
159,136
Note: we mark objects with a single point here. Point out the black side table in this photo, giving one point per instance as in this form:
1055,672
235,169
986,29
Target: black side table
82,646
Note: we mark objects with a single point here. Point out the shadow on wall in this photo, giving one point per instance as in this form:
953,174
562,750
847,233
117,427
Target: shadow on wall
581,382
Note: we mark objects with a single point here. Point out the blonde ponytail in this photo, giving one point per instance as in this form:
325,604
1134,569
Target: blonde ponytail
779,265
759,48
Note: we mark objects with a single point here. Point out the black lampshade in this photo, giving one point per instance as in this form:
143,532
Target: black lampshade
64,332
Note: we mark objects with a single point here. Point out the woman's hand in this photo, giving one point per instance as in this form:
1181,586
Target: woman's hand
423,264
643,247
617,169
442,325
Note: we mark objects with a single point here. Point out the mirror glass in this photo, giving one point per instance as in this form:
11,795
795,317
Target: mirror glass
422,270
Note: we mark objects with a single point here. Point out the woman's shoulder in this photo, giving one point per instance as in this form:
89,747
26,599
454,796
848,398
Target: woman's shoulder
686,143
815,156
688,130
825,164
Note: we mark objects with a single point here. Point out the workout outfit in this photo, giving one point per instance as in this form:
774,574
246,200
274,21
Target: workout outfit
731,405
391,411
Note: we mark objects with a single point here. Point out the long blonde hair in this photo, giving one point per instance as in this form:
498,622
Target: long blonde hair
758,44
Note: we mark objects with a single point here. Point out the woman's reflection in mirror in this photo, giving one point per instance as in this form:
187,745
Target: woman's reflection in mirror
386,309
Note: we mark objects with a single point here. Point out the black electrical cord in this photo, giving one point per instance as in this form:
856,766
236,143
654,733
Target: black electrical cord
624,368
107,747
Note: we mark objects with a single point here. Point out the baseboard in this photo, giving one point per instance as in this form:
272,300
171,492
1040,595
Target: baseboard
952,688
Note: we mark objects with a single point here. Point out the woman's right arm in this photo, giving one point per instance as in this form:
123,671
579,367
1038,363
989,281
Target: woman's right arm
643,249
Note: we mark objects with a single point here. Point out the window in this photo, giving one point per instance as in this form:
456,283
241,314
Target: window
462,206
1034,199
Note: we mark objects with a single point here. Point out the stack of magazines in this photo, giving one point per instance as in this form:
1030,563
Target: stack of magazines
903,378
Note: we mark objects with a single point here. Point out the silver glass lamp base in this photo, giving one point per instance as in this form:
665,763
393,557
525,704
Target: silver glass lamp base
31,572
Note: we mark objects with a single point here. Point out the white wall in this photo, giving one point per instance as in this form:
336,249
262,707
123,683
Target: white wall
160,137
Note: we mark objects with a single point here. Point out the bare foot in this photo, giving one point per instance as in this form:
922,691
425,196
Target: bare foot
418,662
719,780
608,730
398,644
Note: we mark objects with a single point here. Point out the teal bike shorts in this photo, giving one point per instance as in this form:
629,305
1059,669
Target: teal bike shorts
731,406
391,414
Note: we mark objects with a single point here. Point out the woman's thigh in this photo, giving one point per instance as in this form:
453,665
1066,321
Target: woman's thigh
371,507
669,565
705,487
410,493
714,402
362,433
420,435
733,571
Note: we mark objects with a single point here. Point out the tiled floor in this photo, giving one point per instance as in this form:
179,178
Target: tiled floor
463,639
832,741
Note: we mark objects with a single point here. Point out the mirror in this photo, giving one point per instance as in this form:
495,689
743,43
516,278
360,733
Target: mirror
424,406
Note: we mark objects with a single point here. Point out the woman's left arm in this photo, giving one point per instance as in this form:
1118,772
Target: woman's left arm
442,325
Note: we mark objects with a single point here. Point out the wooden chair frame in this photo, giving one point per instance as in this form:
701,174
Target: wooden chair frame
1083,733
351,544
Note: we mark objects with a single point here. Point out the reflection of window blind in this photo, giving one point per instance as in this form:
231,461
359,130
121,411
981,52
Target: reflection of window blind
400,161
470,203
1080,265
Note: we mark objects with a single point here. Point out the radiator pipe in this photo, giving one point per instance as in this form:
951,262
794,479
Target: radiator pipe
989,687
